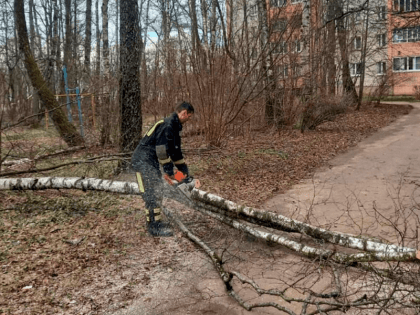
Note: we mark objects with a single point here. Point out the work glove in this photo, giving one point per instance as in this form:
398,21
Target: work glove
183,168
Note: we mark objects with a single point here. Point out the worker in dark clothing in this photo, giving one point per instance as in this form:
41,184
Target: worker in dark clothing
160,146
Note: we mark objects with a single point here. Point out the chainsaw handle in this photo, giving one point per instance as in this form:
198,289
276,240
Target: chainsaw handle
187,180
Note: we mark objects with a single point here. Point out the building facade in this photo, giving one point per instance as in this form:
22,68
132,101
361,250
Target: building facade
312,40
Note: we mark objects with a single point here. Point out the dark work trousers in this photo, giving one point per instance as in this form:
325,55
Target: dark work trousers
146,163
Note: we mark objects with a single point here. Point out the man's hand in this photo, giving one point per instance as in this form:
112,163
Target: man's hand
197,183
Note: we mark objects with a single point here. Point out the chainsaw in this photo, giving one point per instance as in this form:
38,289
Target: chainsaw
184,183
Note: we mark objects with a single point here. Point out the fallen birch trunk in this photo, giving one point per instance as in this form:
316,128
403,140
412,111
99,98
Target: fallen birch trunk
274,220
308,251
43,183
132,188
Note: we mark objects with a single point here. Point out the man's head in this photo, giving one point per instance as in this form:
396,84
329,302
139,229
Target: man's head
185,111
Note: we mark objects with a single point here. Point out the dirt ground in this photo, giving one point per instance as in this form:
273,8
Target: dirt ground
117,269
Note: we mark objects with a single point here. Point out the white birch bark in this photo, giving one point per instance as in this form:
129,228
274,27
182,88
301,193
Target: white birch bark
69,183
210,204
308,251
291,225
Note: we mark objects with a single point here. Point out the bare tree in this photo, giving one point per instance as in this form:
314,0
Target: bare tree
98,42
105,40
88,37
66,130
130,96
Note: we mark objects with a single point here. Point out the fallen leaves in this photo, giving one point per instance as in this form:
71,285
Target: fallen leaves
74,252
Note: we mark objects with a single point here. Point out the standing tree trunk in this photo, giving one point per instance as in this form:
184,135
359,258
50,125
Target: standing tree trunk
88,39
330,47
205,22
55,40
196,45
58,33
66,130
130,96
106,111
266,66
35,96
68,43
105,42
213,24
363,59
348,83
98,42
75,46
117,33
50,70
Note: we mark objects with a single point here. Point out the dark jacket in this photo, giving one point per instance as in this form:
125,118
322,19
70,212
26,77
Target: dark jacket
163,143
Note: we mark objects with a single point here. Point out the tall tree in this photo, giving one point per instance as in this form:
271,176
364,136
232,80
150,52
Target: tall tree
98,41
105,41
266,63
35,96
348,83
130,100
66,130
68,43
88,37
213,24
363,58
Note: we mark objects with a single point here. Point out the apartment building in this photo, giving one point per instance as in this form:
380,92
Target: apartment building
404,45
311,38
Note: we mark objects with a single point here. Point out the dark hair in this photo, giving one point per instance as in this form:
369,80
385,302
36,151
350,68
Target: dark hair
184,105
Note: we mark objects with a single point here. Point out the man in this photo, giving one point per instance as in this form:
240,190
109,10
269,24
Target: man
160,146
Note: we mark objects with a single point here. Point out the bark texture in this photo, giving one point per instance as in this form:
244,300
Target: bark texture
277,221
130,94
66,130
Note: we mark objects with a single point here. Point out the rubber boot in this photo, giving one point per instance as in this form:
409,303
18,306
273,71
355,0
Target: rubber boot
155,225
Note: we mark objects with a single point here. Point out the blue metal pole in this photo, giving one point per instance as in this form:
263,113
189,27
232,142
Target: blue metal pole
67,94
79,106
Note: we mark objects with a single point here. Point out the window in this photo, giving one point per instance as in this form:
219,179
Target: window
285,71
406,5
381,40
381,68
381,13
357,43
297,46
280,25
253,10
274,47
355,69
283,47
406,64
296,70
400,64
278,47
278,3
404,35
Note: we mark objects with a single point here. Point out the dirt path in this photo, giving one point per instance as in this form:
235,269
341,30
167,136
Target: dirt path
363,192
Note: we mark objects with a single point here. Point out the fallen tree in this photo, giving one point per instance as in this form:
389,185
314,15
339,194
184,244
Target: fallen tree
212,205
251,221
